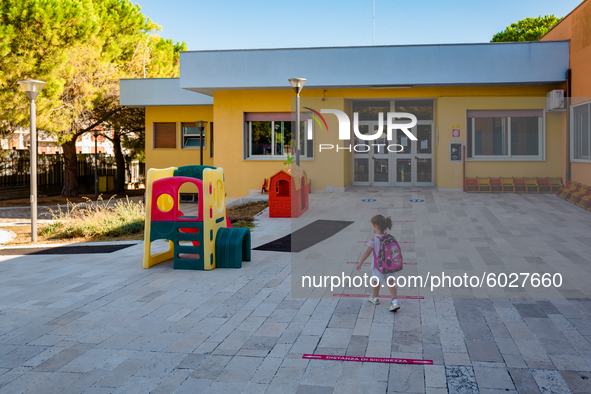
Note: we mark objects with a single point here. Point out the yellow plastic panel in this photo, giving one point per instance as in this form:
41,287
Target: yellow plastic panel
155,174
214,212
165,202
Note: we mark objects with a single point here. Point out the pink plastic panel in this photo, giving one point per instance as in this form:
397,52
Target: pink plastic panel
171,186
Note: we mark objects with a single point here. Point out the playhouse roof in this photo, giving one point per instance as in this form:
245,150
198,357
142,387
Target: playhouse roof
295,172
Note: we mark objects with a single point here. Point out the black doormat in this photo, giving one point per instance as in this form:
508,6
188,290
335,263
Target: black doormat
305,237
64,250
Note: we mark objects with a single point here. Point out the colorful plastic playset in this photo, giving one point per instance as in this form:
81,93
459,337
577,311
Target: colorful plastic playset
201,242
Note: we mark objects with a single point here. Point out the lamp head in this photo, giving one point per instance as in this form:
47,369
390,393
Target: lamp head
31,87
201,125
297,84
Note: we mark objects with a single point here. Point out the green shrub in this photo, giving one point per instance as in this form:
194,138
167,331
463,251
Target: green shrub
95,219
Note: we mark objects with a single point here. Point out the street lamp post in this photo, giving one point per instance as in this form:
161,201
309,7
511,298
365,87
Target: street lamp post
201,125
96,133
32,89
297,84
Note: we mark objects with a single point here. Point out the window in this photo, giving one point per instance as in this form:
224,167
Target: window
504,134
581,132
422,109
369,109
269,135
191,136
164,135
211,140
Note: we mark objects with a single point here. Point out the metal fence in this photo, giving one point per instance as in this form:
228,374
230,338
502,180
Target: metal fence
15,170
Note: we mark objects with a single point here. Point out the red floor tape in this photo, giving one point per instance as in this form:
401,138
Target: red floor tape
382,296
367,359
355,262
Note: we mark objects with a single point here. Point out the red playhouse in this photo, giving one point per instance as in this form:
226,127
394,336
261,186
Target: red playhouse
288,192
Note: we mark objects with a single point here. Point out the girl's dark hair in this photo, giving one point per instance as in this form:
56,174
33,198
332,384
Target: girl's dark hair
381,222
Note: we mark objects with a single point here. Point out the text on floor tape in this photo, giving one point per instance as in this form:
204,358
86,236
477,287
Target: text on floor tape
367,359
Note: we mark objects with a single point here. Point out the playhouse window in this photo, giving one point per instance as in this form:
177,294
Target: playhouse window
270,136
283,188
504,135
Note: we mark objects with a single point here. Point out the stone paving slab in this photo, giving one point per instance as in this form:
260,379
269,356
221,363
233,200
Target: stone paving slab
101,324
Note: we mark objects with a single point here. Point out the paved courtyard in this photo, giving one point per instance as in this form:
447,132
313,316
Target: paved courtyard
102,324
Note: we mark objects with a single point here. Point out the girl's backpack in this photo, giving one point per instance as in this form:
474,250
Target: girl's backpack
389,256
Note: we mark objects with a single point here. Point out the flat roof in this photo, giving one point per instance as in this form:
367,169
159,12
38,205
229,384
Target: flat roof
158,91
340,67
481,64
511,63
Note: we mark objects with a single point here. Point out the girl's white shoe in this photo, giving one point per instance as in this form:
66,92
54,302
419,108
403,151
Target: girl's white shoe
394,306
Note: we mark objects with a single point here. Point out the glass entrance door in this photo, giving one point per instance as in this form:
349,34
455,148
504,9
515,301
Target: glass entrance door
414,164
424,155
361,158
375,165
404,159
371,159
380,157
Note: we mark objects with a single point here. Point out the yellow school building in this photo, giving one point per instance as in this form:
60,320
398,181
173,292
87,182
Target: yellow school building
481,110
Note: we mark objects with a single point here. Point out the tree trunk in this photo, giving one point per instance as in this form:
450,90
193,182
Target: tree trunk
128,169
120,161
70,188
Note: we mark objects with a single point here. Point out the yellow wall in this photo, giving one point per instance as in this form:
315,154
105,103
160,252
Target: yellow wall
327,169
453,111
330,168
164,158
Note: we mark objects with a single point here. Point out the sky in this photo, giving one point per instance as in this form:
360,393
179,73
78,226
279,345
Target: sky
255,24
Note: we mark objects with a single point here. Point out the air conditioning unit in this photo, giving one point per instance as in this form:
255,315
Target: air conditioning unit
555,100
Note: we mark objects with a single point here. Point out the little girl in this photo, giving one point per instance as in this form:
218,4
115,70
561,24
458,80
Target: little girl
379,225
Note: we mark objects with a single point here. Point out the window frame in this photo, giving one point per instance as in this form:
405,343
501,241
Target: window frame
182,135
247,142
210,125
541,156
572,132
154,135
